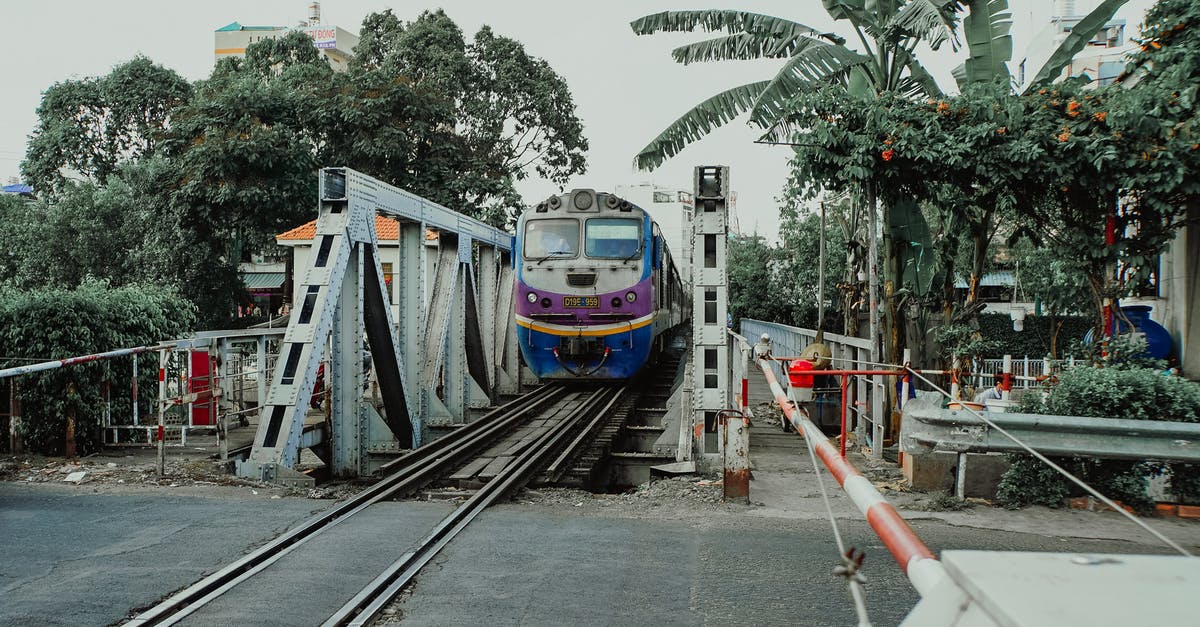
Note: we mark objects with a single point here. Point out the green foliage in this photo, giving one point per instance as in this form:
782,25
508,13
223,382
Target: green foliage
1028,481
45,324
185,181
1129,393
962,341
92,125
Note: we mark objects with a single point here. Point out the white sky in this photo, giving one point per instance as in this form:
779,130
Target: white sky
626,87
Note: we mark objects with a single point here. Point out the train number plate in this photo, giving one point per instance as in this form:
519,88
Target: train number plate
581,302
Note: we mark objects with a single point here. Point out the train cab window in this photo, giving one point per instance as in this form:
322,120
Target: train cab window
551,239
614,238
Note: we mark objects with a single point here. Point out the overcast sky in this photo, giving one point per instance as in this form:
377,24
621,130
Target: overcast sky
626,87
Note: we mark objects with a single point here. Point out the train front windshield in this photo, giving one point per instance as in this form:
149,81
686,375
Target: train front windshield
616,238
551,238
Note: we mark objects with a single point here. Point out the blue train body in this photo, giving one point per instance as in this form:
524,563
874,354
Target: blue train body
595,287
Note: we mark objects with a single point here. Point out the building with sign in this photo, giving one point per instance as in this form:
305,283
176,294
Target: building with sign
335,43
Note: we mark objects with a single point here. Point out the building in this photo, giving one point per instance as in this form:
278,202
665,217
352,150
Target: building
1103,60
337,44
673,211
299,240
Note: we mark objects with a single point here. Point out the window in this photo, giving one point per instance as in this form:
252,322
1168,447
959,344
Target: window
387,274
553,238
616,238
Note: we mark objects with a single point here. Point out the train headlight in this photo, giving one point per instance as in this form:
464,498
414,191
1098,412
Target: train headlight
630,296
531,297
616,302
545,303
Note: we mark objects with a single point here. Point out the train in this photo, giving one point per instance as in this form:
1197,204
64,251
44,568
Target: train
596,288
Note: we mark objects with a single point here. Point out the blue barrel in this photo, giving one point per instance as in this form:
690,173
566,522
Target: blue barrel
1158,340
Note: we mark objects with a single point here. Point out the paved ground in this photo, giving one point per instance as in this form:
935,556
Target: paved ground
671,554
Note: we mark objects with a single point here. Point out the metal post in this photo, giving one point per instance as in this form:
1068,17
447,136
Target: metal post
135,389
736,449
260,369
960,477
162,408
14,417
1006,378
873,289
821,272
955,374
845,390
70,440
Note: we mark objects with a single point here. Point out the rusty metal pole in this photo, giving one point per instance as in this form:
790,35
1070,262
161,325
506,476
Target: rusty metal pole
736,439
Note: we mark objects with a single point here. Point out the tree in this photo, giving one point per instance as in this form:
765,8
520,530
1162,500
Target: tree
750,264
510,114
888,32
91,125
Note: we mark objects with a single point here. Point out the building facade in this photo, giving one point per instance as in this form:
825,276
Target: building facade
673,210
335,43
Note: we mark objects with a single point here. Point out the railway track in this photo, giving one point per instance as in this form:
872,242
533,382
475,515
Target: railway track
403,476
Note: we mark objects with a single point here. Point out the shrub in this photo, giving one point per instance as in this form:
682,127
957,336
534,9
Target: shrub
55,324
1113,392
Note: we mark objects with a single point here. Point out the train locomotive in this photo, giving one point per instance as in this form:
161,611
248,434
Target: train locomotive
596,287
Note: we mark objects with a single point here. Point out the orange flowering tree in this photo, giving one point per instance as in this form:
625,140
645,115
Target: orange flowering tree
1058,163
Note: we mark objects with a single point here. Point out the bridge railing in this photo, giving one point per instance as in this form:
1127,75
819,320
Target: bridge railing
866,405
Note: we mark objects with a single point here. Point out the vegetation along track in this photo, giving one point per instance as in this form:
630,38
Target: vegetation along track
403,476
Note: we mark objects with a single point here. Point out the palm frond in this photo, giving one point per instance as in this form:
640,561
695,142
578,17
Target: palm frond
725,20
816,63
1080,35
927,20
741,46
919,76
695,124
989,42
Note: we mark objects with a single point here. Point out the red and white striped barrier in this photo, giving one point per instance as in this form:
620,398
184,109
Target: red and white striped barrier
914,558
59,363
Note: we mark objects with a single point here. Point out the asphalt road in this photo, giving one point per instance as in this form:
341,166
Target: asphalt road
75,558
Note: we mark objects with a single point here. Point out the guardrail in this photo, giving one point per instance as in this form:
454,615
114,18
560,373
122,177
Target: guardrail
929,427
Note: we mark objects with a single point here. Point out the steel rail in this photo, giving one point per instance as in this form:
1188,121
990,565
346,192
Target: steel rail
412,470
367,605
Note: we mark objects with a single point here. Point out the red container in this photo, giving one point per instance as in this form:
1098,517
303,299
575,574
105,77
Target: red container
799,373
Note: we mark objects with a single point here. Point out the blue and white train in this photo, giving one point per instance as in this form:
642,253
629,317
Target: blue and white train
596,287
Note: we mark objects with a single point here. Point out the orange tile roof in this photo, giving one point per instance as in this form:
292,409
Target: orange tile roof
385,229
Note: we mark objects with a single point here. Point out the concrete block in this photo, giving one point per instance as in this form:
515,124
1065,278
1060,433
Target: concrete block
938,470
930,471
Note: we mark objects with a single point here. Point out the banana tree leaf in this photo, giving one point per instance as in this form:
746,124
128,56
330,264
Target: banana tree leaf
989,43
926,20
1080,35
918,75
845,9
814,64
698,122
729,21
740,47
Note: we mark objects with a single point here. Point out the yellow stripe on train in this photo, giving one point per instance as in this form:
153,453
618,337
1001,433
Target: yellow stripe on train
576,331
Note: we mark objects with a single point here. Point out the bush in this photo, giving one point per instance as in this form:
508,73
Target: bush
1114,392
55,324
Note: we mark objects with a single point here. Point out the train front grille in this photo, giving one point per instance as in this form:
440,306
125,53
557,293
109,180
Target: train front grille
581,279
